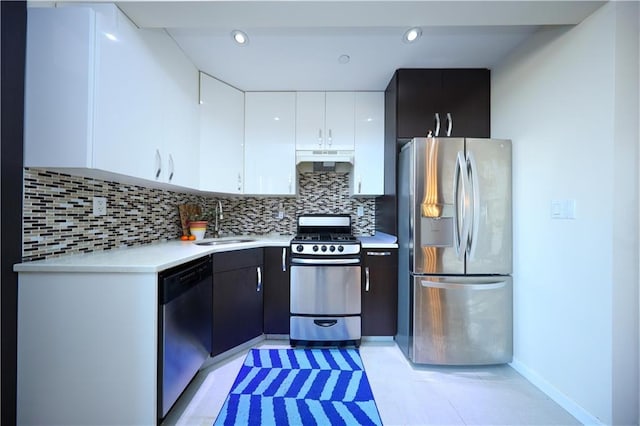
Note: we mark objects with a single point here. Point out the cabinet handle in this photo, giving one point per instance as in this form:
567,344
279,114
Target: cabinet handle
239,182
171,167
330,139
450,124
366,278
437,116
359,184
284,259
320,138
290,183
158,164
259,286
378,253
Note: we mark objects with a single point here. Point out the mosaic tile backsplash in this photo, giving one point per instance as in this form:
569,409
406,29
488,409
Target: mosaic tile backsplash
58,212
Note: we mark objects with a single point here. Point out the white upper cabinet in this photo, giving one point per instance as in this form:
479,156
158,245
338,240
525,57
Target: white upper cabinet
177,80
367,177
270,131
325,120
101,94
221,137
59,87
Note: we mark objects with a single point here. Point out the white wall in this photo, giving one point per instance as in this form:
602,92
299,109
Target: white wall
568,98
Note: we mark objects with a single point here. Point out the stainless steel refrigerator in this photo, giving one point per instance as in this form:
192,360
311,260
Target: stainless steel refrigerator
455,251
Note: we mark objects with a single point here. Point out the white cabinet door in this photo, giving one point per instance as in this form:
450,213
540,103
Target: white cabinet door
324,120
270,143
146,106
177,81
59,83
127,114
310,132
339,124
221,136
367,177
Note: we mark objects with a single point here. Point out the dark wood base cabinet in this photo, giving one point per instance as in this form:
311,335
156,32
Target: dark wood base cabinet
379,292
276,290
237,298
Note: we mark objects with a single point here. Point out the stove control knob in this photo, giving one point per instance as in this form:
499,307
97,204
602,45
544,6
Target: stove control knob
340,249
315,248
324,248
332,248
299,247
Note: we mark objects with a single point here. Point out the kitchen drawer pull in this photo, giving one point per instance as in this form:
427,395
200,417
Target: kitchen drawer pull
437,117
325,323
378,253
259,287
284,259
366,280
450,124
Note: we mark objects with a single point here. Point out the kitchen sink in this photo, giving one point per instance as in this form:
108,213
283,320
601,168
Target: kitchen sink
224,241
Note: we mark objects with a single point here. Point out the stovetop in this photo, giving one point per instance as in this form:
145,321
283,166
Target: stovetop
325,234
325,237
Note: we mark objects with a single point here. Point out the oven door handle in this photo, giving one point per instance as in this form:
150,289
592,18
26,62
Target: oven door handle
325,261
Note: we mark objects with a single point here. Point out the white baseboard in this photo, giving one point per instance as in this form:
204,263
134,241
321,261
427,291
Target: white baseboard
582,415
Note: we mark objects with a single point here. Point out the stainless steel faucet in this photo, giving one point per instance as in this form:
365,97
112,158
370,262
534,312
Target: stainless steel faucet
219,216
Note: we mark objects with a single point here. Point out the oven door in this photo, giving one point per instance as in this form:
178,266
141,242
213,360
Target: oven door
325,289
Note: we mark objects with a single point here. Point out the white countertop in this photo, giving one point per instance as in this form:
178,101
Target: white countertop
379,240
163,255
148,258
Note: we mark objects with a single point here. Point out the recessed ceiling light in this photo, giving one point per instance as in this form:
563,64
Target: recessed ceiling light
412,34
344,59
240,37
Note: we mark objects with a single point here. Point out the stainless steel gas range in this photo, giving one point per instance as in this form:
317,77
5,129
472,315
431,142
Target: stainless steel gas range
325,302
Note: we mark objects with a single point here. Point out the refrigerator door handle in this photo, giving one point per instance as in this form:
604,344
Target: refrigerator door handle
460,175
475,218
485,286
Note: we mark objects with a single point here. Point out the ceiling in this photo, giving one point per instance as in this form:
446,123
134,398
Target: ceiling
295,45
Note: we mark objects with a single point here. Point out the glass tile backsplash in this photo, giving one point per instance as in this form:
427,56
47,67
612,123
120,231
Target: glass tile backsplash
58,212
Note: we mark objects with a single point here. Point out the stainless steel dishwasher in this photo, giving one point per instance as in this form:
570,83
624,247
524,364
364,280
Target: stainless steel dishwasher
184,327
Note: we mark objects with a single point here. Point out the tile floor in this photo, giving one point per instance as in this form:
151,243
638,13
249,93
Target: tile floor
405,394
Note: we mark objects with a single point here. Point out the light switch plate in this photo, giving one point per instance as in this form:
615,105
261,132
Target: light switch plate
563,209
360,211
99,206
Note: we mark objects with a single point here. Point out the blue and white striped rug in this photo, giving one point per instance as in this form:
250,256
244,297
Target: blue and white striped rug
300,387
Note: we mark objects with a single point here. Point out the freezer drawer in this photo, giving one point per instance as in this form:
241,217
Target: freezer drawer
462,320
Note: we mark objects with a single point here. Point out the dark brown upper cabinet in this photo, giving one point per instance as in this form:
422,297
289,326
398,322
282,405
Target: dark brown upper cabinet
445,102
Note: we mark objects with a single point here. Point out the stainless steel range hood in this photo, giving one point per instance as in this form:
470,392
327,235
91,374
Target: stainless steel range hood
324,160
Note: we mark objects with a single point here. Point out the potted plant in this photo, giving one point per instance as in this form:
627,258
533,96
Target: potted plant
198,223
